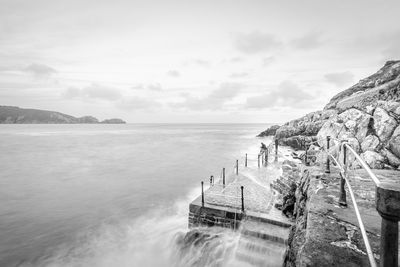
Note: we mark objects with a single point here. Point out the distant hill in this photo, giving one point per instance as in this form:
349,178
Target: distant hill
10,115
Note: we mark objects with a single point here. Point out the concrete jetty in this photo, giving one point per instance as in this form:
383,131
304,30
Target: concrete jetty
264,231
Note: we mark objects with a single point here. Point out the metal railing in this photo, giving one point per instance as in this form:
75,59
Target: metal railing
387,200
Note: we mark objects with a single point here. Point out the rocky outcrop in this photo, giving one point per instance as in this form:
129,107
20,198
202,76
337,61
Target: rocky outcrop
271,131
367,115
11,115
383,85
88,119
113,121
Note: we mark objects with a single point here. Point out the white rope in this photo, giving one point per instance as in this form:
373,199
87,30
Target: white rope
359,219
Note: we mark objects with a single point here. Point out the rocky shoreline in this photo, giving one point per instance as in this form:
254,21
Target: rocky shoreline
367,115
16,115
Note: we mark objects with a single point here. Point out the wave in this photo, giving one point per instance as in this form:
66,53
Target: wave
159,238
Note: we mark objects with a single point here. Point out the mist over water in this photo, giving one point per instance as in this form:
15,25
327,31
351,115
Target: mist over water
113,195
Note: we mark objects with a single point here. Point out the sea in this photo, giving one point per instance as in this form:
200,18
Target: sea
113,195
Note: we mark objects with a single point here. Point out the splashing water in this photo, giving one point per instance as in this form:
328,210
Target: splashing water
159,238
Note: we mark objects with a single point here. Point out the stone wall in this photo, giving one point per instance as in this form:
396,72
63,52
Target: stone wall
207,216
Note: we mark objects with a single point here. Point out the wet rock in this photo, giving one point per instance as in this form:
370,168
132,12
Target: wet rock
384,124
373,159
392,159
394,143
371,142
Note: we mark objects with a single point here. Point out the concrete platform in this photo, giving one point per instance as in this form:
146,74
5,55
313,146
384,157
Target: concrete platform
264,230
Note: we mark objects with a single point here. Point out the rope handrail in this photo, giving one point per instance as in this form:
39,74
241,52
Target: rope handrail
353,199
363,164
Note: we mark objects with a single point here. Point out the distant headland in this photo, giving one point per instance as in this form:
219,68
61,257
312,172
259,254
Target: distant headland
16,115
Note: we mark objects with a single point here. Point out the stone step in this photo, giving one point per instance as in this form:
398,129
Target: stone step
250,259
259,246
274,217
265,231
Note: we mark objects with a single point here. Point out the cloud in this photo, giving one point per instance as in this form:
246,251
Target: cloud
202,62
391,44
239,75
255,42
154,87
268,61
173,73
93,91
39,70
138,86
340,78
137,103
151,87
308,41
214,101
287,94
236,59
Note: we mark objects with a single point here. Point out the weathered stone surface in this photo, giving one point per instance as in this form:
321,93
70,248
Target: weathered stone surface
373,159
384,124
371,142
394,145
326,234
392,159
286,131
297,142
270,131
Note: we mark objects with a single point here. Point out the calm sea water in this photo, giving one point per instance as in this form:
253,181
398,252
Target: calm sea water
107,195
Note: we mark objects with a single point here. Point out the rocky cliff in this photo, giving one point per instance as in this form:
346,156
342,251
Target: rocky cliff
366,114
10,115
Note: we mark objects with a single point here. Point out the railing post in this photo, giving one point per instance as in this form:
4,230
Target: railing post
202,194
388,207
223,176
342,196
258,161
306,154
276,149
328,167
237,167
242,198
266,157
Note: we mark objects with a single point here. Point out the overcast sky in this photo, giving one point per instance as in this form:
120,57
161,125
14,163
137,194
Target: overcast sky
190,61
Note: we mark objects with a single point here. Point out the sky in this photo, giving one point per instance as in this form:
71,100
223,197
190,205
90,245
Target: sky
190,61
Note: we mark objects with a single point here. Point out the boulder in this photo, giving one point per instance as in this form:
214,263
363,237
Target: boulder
356,122
392,159
394,143
297,142
384,124
352,123
373,159
271,131
370,143
286,131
